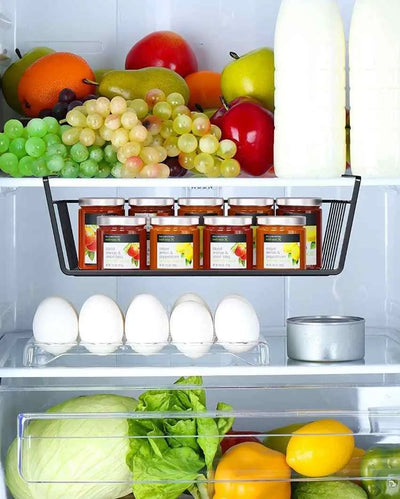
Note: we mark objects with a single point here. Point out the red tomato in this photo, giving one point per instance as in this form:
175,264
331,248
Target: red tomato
232,439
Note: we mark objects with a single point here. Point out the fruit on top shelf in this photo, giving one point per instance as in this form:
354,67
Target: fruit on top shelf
134,84
205,90
252,461
41,83
251,126
165,49
14,72
250,75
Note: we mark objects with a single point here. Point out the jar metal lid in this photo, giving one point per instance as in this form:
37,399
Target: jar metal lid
250,201
175,221
200,201
325,320
228,221
284,220
299,201
121,221
151,201
101,202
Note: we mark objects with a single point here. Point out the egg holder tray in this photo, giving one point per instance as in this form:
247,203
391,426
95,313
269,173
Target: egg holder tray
336,238
123,355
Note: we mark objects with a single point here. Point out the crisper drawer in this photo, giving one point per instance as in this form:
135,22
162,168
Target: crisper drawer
183,439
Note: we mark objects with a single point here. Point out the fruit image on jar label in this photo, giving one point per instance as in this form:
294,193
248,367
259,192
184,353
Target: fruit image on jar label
174,251
90,244
121,251
311,244
282,251
228,251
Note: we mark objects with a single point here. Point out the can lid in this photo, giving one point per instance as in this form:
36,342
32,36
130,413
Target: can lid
101,202
200,201
175,221
250,201
298,201
151,201
121,221
284,220
228,221
325,320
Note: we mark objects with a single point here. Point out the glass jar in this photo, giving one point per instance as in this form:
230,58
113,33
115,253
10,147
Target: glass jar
228,243
311,209
89,210
121,243
149,208
253,207
174,243
281,243
201,207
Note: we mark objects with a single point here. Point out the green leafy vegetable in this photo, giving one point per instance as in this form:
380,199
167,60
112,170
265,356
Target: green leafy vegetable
174,452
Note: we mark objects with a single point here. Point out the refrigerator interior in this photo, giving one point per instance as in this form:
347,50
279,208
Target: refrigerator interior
29,270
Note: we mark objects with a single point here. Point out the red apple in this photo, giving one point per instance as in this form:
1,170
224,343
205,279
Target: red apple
163,48
251,127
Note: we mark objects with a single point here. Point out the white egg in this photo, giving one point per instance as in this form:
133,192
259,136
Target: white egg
146,325
101,325
190,297
192,329
237,326
55,325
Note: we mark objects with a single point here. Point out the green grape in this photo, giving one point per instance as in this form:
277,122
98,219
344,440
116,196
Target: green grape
148,141
25,134
163,110
209,144
116,170
129,119
59,149
113,122
39,168
88,168
201,126
213,171
51,138
181,109
8,162
157,140
71,136
63,128
106,133
70,169
138,133
230,168
96,153
162,152
203,161
25,166
94,121
149,155
166,129
187,143
110,154
55,163
104,170
99,141
90,106
76,118
140,107
79,152
120,137
127,150
175,99
87,137
36,128
15,171
171,145
186,160
182,124
4,143
227,149
17,147
153,96
215,130
13,129
52,125
103,106
35,147
118,105
153,124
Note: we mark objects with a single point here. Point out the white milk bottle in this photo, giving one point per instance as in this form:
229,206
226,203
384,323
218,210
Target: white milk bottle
374,60
310,90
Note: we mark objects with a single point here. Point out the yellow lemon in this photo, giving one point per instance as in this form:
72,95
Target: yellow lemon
320,448
180,247
188,253
295,252
287,247
311,234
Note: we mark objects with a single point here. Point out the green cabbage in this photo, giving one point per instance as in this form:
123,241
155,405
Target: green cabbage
75,459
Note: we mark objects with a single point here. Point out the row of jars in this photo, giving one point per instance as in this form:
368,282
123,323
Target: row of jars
258,233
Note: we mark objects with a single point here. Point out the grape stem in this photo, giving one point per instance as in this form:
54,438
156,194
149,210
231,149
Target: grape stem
234,55
90,82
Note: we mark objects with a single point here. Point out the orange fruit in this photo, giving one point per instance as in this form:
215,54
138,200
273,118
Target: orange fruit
205,89
43,80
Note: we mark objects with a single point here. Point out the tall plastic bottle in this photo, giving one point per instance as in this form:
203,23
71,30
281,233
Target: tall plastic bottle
310,90
374,60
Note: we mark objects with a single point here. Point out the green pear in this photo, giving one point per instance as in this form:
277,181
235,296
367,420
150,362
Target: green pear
251,75
13,74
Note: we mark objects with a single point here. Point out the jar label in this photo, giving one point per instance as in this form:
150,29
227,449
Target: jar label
90,243
175,251
228,251
282,251
121,251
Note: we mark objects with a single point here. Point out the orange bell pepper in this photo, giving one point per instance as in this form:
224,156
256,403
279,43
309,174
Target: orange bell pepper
246,471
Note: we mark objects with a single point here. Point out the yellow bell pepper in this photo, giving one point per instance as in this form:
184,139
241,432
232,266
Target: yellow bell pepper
246,471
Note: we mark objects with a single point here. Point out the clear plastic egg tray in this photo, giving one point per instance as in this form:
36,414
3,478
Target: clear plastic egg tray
82,355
